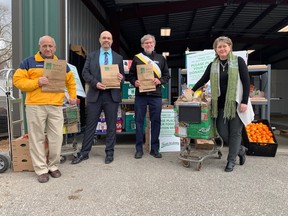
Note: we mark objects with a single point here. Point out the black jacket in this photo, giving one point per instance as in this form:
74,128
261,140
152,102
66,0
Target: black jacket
162,64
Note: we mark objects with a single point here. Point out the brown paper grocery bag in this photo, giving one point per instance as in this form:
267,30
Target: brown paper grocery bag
55,71
109,74
145,76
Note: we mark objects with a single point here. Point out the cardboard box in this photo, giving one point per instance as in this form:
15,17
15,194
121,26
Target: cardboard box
194,123
21,159
284,132
22,163
79,50
20,147
260,149
204,144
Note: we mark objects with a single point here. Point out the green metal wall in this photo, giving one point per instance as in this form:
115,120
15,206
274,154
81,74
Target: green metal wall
32,19
42,17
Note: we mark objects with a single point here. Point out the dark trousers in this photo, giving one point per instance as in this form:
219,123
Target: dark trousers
155,106
231,133
110,108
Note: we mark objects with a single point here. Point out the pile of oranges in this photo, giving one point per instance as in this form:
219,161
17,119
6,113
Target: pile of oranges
259,132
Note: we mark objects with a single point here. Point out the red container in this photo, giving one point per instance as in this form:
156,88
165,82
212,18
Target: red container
119,126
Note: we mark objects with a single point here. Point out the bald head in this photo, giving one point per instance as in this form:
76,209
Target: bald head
106,40
47,46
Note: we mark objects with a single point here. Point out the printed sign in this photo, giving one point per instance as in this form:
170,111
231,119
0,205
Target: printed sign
197,63
168,141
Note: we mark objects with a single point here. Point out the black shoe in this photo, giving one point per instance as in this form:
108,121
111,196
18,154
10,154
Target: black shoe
79,158
109,159
229,167
138,155
156,154
242,157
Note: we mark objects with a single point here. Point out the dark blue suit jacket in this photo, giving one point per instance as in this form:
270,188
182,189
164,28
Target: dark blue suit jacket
92,75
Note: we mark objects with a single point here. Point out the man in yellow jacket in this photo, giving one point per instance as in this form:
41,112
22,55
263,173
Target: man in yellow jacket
43,109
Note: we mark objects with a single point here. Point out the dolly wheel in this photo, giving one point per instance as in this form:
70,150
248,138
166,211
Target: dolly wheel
199,166
62,159
4,163
219,154
186,163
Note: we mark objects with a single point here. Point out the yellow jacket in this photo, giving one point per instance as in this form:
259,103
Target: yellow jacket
26,78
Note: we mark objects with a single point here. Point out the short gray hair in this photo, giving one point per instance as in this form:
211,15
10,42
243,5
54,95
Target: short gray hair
147,37
45,36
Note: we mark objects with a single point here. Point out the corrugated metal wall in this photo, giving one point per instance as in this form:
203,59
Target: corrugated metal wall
41,17
83,28
35,18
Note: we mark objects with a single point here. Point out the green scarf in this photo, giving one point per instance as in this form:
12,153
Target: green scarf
233,71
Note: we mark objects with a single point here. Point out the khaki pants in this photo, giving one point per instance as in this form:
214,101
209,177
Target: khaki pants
41,118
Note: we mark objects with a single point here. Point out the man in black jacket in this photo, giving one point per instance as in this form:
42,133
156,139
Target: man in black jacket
98,97
153,99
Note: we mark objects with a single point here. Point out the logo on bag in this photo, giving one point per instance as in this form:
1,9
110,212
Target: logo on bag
48,66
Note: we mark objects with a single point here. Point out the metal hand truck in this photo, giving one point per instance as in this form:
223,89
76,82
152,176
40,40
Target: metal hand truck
14,109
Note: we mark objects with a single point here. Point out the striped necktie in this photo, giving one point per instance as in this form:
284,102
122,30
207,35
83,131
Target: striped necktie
106,58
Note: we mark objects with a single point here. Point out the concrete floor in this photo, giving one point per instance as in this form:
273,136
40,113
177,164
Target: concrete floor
151,186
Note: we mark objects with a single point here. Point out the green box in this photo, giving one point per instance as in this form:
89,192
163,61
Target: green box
128,91
71,114
130,124
165,91
203,130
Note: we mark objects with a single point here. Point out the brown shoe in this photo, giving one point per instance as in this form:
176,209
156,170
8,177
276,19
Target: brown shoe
43,178
55,174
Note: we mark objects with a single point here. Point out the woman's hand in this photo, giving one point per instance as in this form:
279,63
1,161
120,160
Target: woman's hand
243,107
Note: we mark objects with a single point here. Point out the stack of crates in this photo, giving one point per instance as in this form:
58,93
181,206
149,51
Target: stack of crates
71,119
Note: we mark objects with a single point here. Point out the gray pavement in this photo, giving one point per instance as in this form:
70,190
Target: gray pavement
151,186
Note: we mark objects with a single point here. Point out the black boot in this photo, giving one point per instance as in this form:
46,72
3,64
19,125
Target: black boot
242,155
229,167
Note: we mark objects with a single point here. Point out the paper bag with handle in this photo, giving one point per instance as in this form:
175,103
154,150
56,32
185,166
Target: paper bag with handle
55,71
109,74
145,76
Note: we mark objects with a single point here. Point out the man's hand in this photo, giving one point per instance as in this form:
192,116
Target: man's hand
156,81
120,76
43,81
72,101
137,83
100,86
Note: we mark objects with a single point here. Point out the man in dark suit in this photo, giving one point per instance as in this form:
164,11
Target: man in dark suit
99,98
